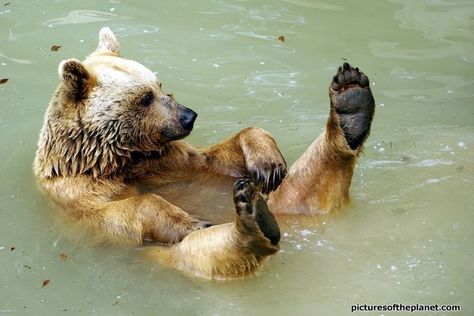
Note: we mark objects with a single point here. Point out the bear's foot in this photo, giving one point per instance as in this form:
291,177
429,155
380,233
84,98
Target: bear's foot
352,100
255,222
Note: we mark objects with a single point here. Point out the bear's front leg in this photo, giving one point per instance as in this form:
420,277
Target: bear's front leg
252,152
142,217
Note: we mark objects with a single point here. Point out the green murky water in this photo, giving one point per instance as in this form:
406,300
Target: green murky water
408,237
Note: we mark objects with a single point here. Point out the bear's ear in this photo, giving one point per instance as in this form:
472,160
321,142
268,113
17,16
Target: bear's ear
108,44
77,79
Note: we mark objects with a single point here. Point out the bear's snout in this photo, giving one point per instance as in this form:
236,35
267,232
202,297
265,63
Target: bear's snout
187,119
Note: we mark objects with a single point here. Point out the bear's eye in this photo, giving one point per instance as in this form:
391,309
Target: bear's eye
147,99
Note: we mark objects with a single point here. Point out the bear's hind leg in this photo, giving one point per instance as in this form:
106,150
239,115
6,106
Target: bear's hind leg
319,181
231,250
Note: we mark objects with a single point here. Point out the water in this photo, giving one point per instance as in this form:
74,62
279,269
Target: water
407,238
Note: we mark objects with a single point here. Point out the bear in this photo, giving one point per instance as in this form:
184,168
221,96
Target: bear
110,130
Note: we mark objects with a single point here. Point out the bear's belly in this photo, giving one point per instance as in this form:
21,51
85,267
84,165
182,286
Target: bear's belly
208,197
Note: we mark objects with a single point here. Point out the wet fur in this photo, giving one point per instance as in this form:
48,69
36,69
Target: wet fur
109,129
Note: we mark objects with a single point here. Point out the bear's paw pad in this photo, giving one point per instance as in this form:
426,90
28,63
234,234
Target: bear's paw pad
352,100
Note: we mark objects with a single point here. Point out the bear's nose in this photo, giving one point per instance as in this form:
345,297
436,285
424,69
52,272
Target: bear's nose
187,119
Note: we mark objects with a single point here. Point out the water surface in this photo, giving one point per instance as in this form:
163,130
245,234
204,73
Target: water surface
408,235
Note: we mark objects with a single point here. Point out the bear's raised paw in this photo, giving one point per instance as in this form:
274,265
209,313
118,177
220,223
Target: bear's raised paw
352,100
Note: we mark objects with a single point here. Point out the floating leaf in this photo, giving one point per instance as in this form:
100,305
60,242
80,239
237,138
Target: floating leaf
281,38
55,48
46,282
2,81
63,256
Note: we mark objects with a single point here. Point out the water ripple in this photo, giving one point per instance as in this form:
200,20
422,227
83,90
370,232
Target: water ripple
315,5
450,28
85,16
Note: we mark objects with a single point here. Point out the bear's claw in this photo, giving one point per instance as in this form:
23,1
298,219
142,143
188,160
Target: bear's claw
254,213
346,75
269,177
200,224
244,189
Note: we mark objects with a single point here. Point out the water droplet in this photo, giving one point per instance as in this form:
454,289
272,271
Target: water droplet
305,232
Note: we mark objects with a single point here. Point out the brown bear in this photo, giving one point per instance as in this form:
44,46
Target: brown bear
109,129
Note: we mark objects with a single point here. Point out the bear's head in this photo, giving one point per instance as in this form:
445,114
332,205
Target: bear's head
104,109
122,94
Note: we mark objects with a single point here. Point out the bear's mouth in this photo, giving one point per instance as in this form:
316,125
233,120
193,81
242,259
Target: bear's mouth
172,135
